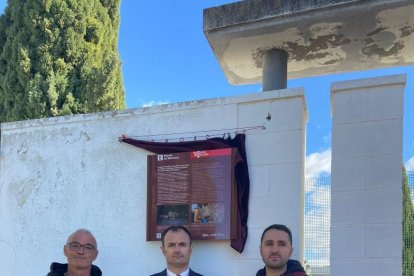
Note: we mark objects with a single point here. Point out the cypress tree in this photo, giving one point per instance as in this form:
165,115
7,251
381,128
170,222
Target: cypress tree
408,229
59,57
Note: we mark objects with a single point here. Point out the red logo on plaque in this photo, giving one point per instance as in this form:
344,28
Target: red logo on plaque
210,153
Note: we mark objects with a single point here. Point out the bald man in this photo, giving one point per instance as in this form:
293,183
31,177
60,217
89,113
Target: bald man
80,250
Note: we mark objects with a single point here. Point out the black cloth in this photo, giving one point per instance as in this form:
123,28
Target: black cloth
294,268
57,269
241,172
164,273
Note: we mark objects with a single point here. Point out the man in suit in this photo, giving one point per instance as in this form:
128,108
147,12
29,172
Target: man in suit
176,248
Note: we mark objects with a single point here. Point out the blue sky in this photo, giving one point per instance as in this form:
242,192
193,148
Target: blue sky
166,58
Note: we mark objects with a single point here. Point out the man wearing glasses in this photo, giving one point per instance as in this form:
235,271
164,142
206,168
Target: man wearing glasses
80,250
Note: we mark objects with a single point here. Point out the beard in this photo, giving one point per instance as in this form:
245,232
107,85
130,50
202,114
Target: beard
275,262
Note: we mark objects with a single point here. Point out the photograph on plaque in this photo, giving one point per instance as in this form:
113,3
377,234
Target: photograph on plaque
172,214
195,189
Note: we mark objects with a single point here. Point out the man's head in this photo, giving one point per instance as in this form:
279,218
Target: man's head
81,249
176,247
276,246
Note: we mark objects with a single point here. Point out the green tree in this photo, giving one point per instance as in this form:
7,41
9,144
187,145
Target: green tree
408,229
59,57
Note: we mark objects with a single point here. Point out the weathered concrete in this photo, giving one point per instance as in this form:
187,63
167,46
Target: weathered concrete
59,174
366,208
321,36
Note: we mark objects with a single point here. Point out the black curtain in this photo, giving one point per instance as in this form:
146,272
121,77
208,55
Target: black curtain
241,172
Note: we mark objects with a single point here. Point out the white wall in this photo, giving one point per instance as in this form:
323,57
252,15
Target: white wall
366,208
64,173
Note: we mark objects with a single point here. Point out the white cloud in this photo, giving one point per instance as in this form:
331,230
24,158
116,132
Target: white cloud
317,215
152,103
318,164
409,165
317,209
317,227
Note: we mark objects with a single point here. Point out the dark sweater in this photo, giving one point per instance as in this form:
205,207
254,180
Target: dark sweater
294,268
57,269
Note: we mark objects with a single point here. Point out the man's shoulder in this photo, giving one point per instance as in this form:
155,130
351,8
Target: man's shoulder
96,271
295,268
57,269
162,273
193,273
296,273
261,272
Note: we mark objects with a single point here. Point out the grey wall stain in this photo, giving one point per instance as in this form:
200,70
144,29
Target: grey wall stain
83,135
22,151
22,190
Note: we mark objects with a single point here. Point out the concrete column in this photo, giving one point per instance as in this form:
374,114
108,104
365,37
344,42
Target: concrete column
366,214
275,70
276,159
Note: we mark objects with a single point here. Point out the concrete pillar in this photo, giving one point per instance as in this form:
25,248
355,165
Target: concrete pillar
366,214
275,70
276,167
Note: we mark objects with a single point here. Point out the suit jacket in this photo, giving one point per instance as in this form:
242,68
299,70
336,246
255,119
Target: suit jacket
164,273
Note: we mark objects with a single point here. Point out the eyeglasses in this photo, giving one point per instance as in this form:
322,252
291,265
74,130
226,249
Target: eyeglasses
75,246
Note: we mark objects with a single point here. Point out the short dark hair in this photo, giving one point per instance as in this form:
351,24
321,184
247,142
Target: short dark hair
279,227
175,228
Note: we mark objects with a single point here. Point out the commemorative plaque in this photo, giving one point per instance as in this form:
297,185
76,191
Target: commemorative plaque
194,189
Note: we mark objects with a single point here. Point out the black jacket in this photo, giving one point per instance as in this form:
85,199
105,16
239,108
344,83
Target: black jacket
294,268
164,273
57,269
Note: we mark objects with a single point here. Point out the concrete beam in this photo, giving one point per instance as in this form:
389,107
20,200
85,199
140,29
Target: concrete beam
320,36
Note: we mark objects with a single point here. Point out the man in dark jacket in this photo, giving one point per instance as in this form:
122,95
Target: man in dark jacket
176,247
80,250
276,249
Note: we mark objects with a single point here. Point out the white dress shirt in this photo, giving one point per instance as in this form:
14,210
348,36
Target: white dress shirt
184,273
